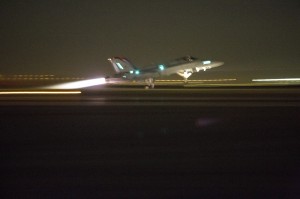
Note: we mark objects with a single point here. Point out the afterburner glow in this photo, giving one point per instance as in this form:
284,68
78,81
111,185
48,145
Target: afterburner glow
79,84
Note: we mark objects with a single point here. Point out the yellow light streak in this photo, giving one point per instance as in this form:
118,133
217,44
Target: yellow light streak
276,80
198,80
38,92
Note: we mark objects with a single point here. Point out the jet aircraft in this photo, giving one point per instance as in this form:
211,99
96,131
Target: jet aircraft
184,66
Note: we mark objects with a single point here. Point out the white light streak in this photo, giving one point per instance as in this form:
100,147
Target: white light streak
120,66
79,84
198,80
276,80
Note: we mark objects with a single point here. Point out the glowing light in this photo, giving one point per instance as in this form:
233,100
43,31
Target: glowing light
276,80
131,72
37,92
161,67
79,84
206,62
120,66
137,72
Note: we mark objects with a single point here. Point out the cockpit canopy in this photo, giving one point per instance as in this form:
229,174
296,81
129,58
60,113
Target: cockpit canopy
181,60
189,58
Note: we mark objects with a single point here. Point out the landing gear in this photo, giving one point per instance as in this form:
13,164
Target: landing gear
185,74
150,83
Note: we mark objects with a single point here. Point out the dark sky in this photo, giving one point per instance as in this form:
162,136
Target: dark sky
72,37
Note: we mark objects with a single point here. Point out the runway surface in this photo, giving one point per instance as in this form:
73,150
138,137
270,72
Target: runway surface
229,96
135,143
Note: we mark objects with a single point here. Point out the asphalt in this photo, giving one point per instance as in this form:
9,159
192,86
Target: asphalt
136,143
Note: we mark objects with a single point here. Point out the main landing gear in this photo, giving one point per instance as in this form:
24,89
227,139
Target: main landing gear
150,83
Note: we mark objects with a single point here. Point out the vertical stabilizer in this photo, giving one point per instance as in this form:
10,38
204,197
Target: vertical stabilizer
121,65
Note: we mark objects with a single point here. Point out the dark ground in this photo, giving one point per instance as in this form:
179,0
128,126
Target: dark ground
242,147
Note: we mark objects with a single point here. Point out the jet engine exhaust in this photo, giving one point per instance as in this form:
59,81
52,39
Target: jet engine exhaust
79,84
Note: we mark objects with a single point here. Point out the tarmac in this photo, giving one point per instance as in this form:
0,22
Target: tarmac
136,143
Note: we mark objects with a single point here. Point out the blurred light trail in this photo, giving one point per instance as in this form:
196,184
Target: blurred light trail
38,92
197,80
276,80
79,84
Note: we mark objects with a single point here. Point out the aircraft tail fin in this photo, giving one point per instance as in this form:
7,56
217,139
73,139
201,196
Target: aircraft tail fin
121,65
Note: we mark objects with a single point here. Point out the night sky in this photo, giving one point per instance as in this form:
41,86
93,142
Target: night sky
72,37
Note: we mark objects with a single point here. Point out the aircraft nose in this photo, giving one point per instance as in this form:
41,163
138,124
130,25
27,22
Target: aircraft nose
217,63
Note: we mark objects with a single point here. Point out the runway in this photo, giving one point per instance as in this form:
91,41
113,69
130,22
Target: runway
232,96
136,143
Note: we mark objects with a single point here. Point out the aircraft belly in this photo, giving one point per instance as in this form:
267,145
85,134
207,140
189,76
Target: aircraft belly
148,75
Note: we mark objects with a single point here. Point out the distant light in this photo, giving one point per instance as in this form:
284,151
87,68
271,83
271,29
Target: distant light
124,76
161,67
276,80
137,72
131,72
120,66
79,84
206,62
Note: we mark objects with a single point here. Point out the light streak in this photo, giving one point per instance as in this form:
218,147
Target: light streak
276,80
120,66
38,92
199,80
79,84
